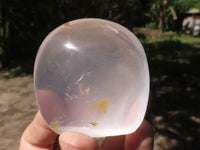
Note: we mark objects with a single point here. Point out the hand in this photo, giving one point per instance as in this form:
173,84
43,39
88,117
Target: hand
38,136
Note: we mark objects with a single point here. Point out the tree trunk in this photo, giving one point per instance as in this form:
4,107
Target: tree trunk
161,15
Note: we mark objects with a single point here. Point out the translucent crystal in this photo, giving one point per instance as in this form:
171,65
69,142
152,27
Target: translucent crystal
91,76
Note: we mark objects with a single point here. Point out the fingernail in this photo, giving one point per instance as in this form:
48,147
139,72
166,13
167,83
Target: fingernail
64,146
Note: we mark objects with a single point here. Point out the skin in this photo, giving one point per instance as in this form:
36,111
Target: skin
38,136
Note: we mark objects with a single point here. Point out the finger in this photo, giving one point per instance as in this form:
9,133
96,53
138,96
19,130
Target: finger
77,141
113,143
141,139
38,135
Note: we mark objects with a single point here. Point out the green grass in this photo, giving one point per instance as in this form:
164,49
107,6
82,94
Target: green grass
178,49
175,83
182,39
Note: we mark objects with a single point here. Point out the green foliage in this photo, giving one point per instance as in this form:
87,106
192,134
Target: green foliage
151,25
181,6
167,13
196,4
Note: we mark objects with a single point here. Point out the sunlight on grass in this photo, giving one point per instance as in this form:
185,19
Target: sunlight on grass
177,49
183,39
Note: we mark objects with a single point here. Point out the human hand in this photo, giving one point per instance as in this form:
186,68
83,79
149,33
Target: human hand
38,136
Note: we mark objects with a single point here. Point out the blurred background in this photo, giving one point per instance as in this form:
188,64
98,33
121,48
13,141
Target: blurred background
169,31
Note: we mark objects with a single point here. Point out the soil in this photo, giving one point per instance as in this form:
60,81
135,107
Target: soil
17,107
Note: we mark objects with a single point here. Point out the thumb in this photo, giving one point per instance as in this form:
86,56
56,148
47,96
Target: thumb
77,141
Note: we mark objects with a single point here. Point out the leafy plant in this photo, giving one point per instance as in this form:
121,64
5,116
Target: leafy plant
166,13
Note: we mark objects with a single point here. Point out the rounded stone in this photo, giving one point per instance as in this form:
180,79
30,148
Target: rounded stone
91,76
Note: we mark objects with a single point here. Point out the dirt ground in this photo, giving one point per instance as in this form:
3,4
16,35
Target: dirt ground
17,107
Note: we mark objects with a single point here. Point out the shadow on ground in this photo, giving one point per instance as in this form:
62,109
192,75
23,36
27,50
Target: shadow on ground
16,68
175,88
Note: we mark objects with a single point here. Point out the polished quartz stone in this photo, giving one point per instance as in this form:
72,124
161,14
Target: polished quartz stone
91,76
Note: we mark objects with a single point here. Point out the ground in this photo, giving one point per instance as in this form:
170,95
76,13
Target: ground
17,107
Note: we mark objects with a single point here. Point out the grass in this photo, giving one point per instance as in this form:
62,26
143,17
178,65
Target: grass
1,50
173,50
175,83
183,38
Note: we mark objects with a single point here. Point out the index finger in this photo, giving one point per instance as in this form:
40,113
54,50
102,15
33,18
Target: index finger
38,135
